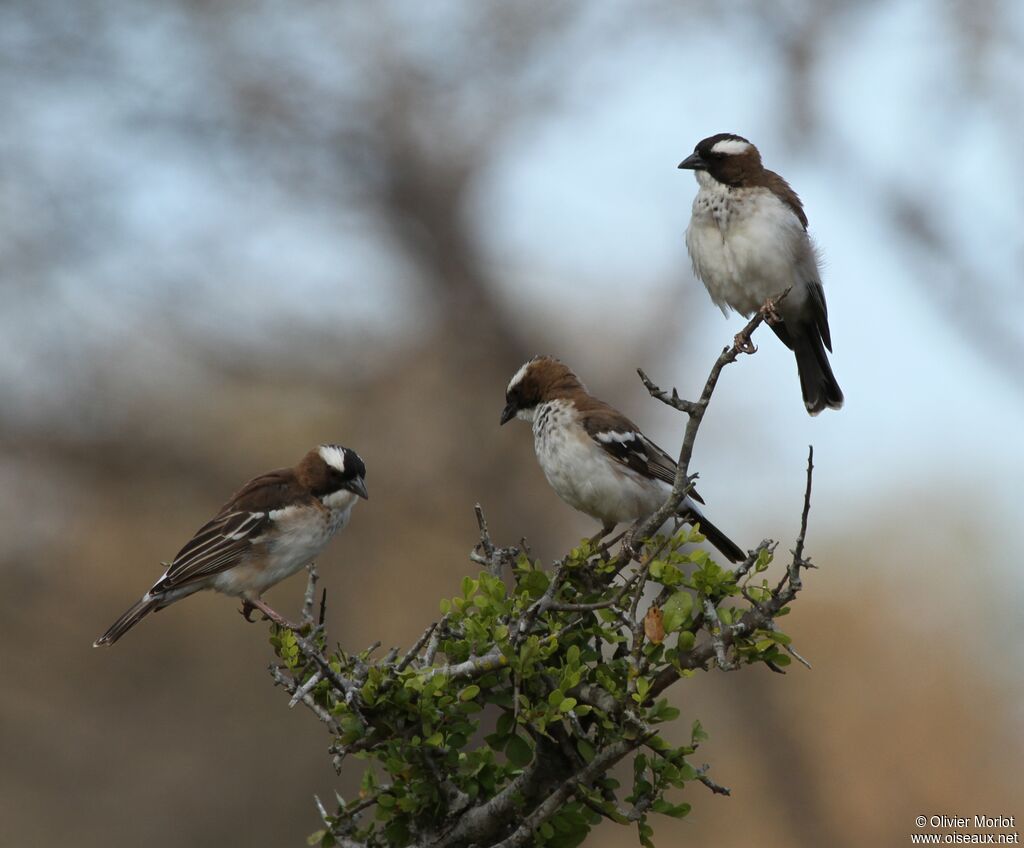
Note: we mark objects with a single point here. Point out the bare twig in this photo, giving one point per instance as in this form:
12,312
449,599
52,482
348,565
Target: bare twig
348,687
417,647
715,629
672,400
744,567
718,789
291,685
305,689
683,483
310,596
798,551
473,667
435,642
493,558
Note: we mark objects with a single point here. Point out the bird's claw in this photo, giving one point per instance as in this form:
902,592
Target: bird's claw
267,615
771,315
629,546
743,344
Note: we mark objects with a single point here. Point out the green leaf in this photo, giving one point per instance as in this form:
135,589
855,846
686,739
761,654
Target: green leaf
469,692
586,749
677,611
764,559
566,705
661,711
519,751
666,808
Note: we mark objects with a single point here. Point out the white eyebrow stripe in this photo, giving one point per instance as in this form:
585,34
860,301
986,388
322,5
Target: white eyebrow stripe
518,376
333,456
731,146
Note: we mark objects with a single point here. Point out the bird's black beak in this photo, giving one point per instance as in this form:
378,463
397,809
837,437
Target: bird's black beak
358,487
693,162
508,413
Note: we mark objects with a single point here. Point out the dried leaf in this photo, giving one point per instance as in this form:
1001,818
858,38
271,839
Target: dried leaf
654,626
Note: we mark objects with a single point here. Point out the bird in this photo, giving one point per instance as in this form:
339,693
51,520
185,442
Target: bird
748,243
594,457
272,527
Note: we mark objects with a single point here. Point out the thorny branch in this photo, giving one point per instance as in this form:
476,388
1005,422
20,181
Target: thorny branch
556,774
683,483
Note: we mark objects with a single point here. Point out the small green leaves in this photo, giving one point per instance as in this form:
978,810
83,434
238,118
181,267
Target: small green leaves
286,646
676,811
559,666
661,711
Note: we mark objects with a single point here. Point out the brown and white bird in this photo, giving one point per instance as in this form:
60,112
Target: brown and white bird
273,526
748,242
595,458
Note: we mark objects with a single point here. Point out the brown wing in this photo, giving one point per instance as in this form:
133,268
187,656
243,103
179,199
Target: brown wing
782,190
217,546
624,442
223,541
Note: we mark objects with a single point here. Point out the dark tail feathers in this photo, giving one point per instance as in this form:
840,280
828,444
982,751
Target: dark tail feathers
817,381
126,622
732,551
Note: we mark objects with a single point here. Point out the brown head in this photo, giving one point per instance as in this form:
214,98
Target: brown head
733,161
332,468
541,379
729,158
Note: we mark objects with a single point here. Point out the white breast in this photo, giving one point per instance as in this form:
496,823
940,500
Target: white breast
584,476
746,245
301,534
302,537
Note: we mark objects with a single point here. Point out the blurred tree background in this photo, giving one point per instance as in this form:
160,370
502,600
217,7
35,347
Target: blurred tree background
230,231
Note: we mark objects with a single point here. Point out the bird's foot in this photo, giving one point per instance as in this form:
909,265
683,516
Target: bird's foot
246,611
268,614
743,344
629,545
771,315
